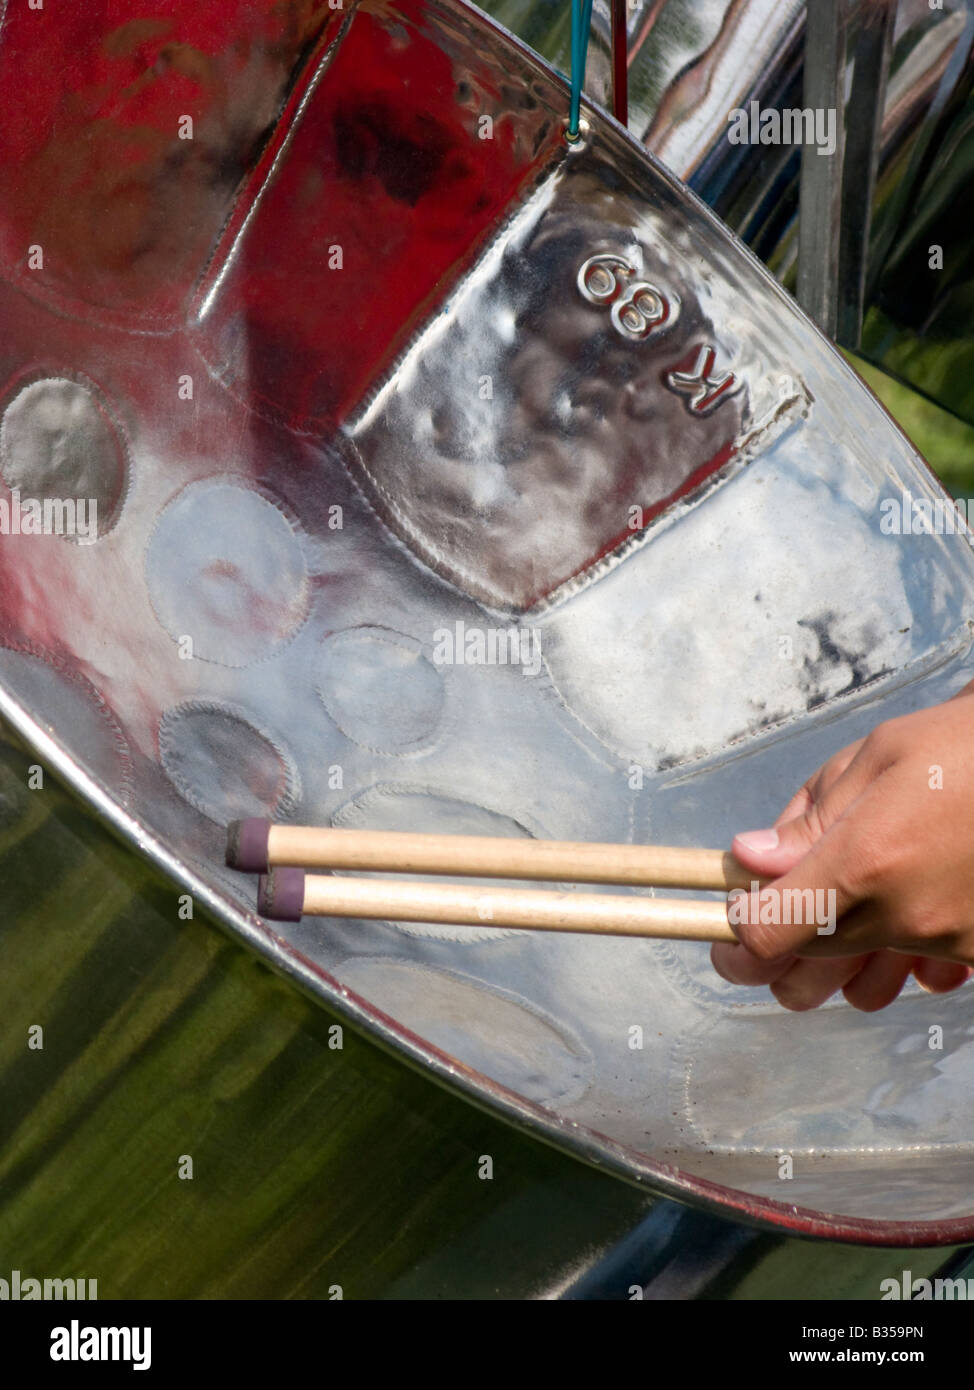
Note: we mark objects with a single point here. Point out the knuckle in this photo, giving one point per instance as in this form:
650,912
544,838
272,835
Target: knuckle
870,865
922,922
885,742
801,833
834,768
814,827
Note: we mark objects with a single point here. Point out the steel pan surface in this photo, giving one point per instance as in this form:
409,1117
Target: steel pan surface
369,375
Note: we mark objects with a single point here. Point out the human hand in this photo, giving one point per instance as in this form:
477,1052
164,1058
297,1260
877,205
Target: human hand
888,825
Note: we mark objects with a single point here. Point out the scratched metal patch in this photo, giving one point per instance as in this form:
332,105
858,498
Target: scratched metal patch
594,369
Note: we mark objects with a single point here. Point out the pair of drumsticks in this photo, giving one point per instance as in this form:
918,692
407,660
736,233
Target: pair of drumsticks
282,854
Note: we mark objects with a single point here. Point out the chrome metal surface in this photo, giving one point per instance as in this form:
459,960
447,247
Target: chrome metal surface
306,603
906,99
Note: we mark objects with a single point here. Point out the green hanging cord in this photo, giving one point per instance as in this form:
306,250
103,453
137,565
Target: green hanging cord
581,26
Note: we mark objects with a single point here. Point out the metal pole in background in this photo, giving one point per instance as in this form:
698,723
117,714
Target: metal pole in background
820,195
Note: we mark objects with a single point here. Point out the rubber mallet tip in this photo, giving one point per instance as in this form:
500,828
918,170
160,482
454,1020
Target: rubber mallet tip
280,895
247,845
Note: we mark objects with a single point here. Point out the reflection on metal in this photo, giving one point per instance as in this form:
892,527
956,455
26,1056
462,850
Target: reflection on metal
704,387
692,63
637,307
931,88
906,96
359,402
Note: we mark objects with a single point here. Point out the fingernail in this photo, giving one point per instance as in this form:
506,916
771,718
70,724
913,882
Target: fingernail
758,840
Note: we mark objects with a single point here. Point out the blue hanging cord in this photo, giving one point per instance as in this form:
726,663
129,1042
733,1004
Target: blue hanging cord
581,26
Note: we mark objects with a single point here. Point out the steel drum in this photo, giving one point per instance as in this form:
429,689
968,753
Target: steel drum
452,476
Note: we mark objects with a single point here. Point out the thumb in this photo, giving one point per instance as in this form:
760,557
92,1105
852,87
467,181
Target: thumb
773,852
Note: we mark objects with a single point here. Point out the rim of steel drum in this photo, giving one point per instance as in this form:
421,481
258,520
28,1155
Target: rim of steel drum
282,956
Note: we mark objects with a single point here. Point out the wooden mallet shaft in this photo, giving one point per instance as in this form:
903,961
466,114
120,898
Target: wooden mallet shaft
287,894
255,846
